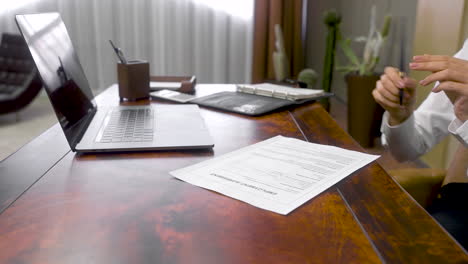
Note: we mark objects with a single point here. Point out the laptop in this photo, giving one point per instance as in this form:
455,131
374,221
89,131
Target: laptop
92,129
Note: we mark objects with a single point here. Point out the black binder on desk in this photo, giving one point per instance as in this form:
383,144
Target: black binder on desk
248,104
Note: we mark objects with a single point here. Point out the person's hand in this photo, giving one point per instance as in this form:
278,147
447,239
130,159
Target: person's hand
452,73
387,94
460,107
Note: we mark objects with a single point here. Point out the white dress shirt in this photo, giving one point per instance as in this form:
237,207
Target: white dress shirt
428,125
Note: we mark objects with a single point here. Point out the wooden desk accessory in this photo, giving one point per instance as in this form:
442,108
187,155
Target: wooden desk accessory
133,80
187,82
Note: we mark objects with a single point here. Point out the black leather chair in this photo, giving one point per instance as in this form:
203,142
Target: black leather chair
19,79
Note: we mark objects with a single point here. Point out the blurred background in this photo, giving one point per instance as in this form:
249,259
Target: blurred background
222,41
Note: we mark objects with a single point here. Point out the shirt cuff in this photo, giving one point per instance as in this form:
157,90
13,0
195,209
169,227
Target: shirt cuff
459,129
403,140
406,127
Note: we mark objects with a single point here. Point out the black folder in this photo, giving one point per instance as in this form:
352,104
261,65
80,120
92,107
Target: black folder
248,104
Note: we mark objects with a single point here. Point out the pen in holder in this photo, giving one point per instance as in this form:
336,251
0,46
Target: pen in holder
134,80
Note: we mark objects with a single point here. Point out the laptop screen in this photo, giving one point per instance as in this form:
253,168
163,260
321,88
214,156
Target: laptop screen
60,70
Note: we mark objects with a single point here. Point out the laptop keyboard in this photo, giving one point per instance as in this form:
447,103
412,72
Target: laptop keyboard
128,125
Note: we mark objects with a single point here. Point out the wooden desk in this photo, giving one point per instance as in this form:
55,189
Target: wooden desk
126,208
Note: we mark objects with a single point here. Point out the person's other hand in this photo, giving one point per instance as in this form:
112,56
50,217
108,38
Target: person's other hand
452,73
460,107
387,94
458,94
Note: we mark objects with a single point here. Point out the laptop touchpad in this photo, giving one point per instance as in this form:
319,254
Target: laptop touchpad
178,118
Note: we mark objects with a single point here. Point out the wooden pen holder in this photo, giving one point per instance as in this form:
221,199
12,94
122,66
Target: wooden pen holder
134,79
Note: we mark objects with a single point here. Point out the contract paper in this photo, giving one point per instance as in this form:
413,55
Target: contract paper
278,174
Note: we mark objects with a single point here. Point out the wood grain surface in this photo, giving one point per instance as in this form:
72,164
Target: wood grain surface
20,170
400,229
126,208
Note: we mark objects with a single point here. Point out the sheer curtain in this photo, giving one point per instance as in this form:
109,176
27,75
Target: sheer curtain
206,38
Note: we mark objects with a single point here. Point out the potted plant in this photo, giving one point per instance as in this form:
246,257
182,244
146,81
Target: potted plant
364,115
332,20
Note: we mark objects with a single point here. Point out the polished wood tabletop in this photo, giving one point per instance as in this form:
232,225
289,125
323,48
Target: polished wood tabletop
61,207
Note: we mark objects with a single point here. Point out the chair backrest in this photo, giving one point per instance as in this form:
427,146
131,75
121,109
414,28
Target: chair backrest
19,80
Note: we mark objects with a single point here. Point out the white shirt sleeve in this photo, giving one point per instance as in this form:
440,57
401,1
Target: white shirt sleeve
459,130
426,127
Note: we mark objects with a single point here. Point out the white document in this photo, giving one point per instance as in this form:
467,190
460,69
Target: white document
278,174
280,91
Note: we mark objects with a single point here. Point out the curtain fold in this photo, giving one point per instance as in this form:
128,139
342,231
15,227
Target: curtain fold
288,14
177,37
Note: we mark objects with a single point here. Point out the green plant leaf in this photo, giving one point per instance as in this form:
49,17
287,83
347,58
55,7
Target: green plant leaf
347,69
368,68
349,53
362,69
372,65
386,26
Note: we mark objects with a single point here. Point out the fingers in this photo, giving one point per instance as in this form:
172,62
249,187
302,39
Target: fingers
445,75
384,102
434,58
387,94
393,75
453,90
432,66
389,86
452,73
443,68
454,87
410,83
426,57
460,108
386,90
440,76
430,62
